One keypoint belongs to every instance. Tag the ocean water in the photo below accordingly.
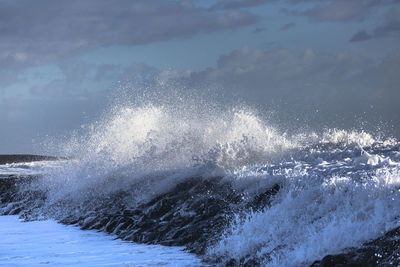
(229, 185)
(48, 243)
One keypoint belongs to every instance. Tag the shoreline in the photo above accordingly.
(49, 242)
(18, 158)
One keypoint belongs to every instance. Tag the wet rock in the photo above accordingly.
(192, 214)
(383, 251)
(262, 200)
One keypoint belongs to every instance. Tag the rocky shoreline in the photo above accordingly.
(17, 158)
(189, 215)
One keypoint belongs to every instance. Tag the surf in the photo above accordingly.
(227, 184)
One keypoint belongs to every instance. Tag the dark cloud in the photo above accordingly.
(389, 28)
(341, 87)
(238, 4)
(345, 11)
(288, 26)
(338, 10)
(259, 29)
(360, 36)
(269, 71)
(42, 31)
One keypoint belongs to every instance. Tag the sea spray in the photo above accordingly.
(319, 210)
(228, 185)
(149, 144)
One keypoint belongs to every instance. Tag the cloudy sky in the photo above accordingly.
(327, 63)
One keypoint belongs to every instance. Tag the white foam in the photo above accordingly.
(337, 136)
(48, 243)
(315, 216)
(136, 145)
(148, 145)
(29, 168)
(149, 149)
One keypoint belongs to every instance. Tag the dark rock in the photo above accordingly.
(383, 251)
(4, 159)
(262, 200)
(192, 214)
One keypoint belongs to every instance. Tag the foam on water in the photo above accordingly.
(29, 168)
(337, 189)
(315, 214)
(52, 244)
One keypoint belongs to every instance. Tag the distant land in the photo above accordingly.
(5, 159)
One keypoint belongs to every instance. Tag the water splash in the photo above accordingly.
(321, 187)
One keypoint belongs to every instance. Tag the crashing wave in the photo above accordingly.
(227, 185)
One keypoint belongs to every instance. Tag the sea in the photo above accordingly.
(159, 186)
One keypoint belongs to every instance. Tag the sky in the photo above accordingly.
(326, 63)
